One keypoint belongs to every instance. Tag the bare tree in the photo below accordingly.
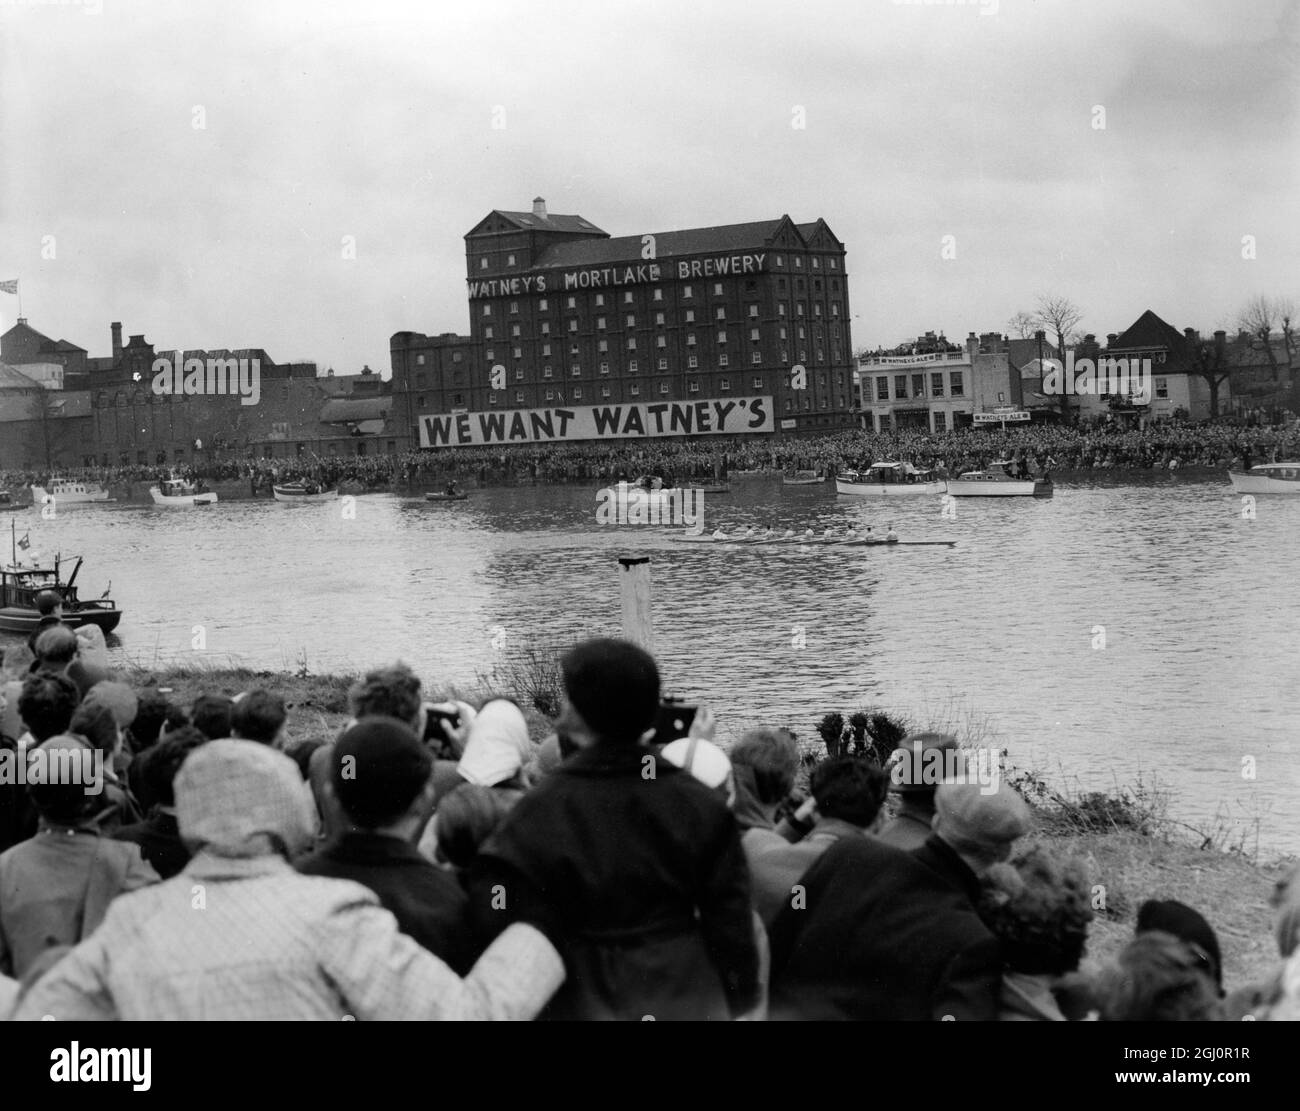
(1258, 318)
(1058, 315)
(1286, 314)
(1208, 360)
(1022, 325)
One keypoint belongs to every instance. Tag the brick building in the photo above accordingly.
(562, 314)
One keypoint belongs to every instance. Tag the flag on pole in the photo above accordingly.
(26, 541)
(9, 286)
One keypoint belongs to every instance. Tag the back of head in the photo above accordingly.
(390, 692)
(300, 752)
(56, 647)
(118, 698)
(772, 755)
(151, 712)
(614, 687)
(97, 725)
(466, 818)
(60, 791)
(243, 799)
(157, 767)
(497, 747)
(849, 788)
(980, 822)
(47, 704)
(47, 601)
(1180, 920)
(211, 714)
(920, 762)
(379, 768)
(1038, 905)
(258, 716)
(1159, 978)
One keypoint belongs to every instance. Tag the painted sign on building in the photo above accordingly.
(723, 416)
(604, 277)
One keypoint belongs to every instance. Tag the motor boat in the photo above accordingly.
(997, 481)
(899, 479)
(68, 492)
(1267, 478)
(178, 492)
(303, 492)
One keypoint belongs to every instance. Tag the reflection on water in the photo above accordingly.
(1197, 607)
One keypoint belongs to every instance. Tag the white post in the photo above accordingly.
(634, 589)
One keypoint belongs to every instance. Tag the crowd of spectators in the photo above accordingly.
(434, 860)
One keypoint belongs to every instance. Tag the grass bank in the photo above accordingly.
(1131, 849)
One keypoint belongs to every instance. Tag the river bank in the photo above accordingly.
(1131, 852)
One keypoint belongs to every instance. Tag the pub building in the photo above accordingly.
(565, 317)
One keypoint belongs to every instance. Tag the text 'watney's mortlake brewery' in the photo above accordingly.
(712, 417)
(564, 317)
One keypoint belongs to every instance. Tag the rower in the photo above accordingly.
(891, 537)
(451, 489)
(809, 534)
(718, 534)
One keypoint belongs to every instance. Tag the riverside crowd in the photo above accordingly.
(1045, 449)
(433, 861)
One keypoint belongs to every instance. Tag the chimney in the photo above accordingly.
(539, 207)
(1190, 335)
(117, 340)
(1090, 339)
(1111, 337)
(1040, 335)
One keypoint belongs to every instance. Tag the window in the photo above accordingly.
(546, 371)
(690, 339)
(780, 310)
(686, 291)
(634, 389)
(487, 332)
(514, 330)
(542, 304)
(546, 328)
(753, 310)
(600, 323)
(783, 333)
(458, 356)
(821, 355)
(835, 266)
(758, 383)
(722, 359)
(604, 368)
(725, 384)
(817, 310)
(577, 393)
(936, 384)
(573, 325)
(627, 297)
(603, 346)
(492, 400)
(721, 314)
(546, 349)
(717, 289)
(690, 316)
(631, 343)
(514, 307)
(882, 388)
(802, 334)
(663, 389)
(756, 357)
(918, 386)
(550, 395)
(900, 385)
(487, 310)
(572, 303)
(419, 359)
(659, 294)
(940, 421)
(631, 320)
(694, 387)
(604, 391)
(519, 352)
(835, 309)
(661, 342)
(803, 354)
(519, 374)
(631, 366)
(954, 381)
(780, 260)
(753, 334)
(798, 309)
(490, 354)
(798, 261)
(817, 263)
(575, 370)
(659, 319)
(419, 403)
(510, 260)
(600, 300)
(482, 264)
(1162, 388)
(458, 399)
(663, 364)
(722, 335)
(692, 361)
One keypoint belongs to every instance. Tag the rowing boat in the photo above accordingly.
(802, 541)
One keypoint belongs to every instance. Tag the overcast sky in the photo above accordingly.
(375, 120)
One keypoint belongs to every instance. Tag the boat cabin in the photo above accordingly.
(20, 585)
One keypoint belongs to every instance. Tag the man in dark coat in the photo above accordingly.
(888, 935)
(635, 865)
(910, 772)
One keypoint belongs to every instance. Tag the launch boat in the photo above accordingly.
(303, 492)
(890, 480)
(19, 586)
(1267, 478)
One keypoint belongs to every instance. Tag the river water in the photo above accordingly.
(1114, 630)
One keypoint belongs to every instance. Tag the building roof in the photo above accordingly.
(531, 221)
(1148, 331)
(13, 379)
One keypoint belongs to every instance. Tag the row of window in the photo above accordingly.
(602, 323)
(755, 357)
(831, 263)
(955, 385)
(720, 312)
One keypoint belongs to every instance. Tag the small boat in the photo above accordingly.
(1267, 478)
(303, 492)
(649, 489)
(998, 482)
(802, 540)
(69, 493)
(891, 480)
(19, 586)
(178, 492)
(802, 478)
(6, 498)
(442, 495)
(721, 488)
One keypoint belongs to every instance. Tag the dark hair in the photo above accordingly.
(258, 716)
(614, 686)
(849, 788)
(56, 645)
(175, 718)
(466, 818)
(1038, 905)
(391, 692)
(150, 714)
(210, 715)
(773, 756)
(98, 725)
(379, 769)
(155, 770)
(1185, 923)
(300, 753)
(47, 601)
(66, 801)
(1159, 978)
(47, 704)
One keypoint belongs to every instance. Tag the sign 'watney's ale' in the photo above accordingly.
(724, 416)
